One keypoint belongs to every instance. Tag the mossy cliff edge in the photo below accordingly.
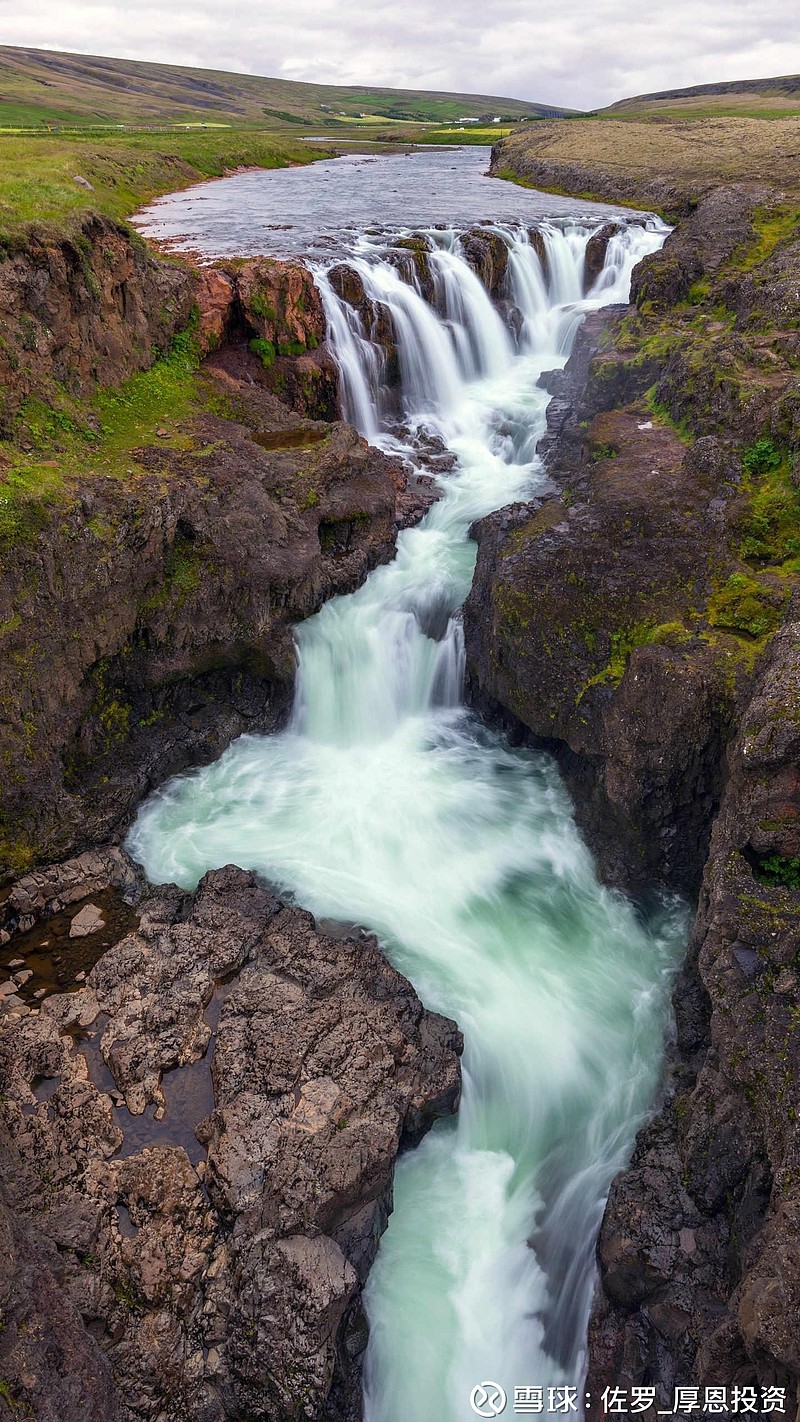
(641, 622)
(175, 492)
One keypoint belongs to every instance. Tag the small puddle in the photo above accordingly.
(188, 1092)
(299, 438)
(56, 960)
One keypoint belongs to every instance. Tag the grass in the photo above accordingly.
(37, 174)
(629, 159)
(55, 447)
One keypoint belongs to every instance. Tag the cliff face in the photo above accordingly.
(81, 311)
(640, 623)
(698, 1251)
(158, 539)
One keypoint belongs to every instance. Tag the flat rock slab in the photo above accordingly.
(89, 920)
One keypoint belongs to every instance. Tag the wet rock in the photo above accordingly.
(596, 249)
(89, 920)
(348, 285)
(487, 255)
(413, 261)
(697, 1250)
(227, 1289)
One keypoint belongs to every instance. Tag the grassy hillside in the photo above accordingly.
(42, 87)
(649, 164)
(739, 98)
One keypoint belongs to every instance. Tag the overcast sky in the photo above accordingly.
(580, 53)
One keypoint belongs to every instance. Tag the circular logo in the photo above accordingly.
(488, 1399)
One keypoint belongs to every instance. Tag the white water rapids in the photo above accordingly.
(386, 803)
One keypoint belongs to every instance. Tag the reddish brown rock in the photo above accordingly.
(215, 294)
(281, 303)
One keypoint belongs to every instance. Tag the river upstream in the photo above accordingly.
(385, 802)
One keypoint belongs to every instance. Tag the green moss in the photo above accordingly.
(28, 491)
(746, 607)
(623, 643)
(604, 451)
(771, 227)
(262, 307)
(265, 350)
(17, 851)
(10, 624)
(181, 578)
(111, 712)
(291, 348)
(699, 291)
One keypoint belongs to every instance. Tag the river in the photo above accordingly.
(386, 802)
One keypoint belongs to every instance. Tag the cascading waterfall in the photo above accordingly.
(387, 803)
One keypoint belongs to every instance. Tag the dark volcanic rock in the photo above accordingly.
(150, 622)
(699, 1248)
(487, 254)
(574, 625)
(596, 249)
(52, 1368)
(721, 222)
(226, 1289)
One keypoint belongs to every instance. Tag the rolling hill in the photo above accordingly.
(737, 98)
(45, 87)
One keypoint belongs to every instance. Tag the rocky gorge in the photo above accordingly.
(638, 622)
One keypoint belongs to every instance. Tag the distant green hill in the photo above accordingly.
(735, 98)
(44, 87)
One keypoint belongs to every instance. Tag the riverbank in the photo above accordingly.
(60, 179)
(642, 625)
(662, 165)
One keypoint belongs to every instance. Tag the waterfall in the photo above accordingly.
(387, 803)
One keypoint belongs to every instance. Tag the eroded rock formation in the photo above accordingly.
(146, 1277)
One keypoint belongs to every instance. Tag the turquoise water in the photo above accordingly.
(385, 802)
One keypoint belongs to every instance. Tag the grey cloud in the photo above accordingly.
(581, 54)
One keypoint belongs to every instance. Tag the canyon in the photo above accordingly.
(634, 619)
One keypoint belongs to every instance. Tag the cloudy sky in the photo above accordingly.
(580, 53)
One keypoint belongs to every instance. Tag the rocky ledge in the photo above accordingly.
(197, 1152)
